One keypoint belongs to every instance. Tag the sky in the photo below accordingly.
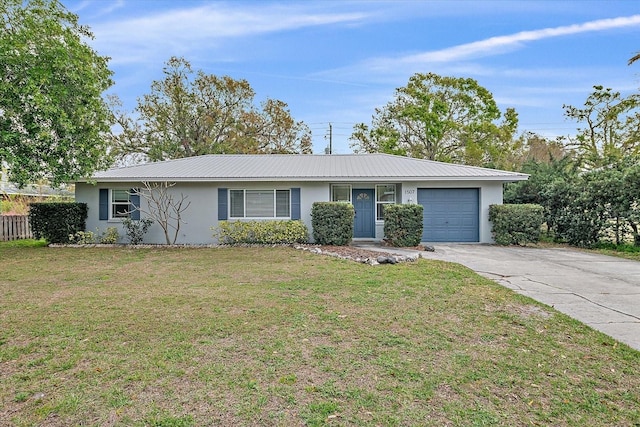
(334, 62)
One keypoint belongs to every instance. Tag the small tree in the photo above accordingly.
(163, 207)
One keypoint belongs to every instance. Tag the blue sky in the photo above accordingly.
(336, 61)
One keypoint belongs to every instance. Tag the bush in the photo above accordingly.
(55, 222)
(516, 224)
(110, 236)
(403, 224)
(261, 232)
(136, 229)
(332, 223)
(83, 238)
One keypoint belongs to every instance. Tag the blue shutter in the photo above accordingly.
(222, 204)
(295, 203)
(103, 204)
(134, 198)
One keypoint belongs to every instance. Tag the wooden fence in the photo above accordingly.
(14, 227)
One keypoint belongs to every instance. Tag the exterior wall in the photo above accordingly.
(202, 214)
(197, 220)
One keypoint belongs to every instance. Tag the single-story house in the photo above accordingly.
(456, 198)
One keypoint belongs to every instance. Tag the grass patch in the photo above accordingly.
(23, 243)
(625, 250)
(275, 336)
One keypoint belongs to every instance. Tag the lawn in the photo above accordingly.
(277, 336)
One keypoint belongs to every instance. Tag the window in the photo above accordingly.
(259, 203)
(385, 195)
(120, 204)
(341, 193)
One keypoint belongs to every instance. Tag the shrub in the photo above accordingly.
(403, 224)
(261, 232)
(516, 224)
(136, 229)
(332, 223)
(83, 238)
(110, 236)
(56, 222)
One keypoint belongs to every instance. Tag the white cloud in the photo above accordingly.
(500, 44)
(191, 29)
(455, 57)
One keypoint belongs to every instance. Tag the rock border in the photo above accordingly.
(359, 255)
(375, 258)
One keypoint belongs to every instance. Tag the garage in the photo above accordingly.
(450, 214)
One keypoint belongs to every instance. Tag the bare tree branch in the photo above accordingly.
(163, 207)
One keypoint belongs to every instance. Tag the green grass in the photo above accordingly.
(275, 336)
(23, 243)
(625, 250)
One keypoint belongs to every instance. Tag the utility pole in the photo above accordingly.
(329, 149)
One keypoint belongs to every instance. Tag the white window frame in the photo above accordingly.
(274, 214)
(333, 186)
(113, 203)
(379, 203)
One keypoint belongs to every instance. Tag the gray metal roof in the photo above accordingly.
(302, 167)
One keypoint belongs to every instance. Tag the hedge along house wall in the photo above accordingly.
(403, 224)
(261, 232)
(56, 222)
(332, 223)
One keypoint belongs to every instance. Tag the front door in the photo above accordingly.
(364, 225)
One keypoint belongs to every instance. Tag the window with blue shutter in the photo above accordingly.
(222, 204)
(295, 203)
(114, 204)
(134, 200)
(103, 204)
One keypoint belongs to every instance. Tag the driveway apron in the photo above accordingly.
(600, 291)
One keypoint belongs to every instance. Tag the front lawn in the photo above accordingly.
(275, 336)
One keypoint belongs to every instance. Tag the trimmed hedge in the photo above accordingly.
(332, 223)
(261, 232)
(516, 224)
(403, 224)
(55, 222)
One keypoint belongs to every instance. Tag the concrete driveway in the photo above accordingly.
(601, 291)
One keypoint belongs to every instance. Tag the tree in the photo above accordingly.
(612, 127)
(163, 207)
(53, 119)
(190, 114)
(537, 148)
(440, 118)
(634, 58)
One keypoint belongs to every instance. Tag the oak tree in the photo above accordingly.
(448, 119)
(53, 118)
(191, 113)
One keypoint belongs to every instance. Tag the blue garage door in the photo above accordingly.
(450, 214)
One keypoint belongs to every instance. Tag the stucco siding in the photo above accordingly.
(196, 222)
(202, 213)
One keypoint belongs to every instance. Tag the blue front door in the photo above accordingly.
(364, 225)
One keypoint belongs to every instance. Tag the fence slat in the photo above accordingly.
(14, 227)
